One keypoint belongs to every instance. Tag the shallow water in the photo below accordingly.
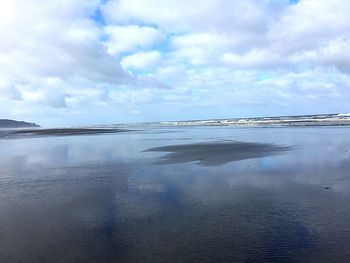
(113, 198)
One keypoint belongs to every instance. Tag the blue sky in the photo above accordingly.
(76, 62)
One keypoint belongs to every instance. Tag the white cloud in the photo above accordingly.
(334, 53)
(309, 25)
(129, 38)
(196, 15)
(255, 58)
(42, 41)
(201, 48)
(141, 60)
(207, 40)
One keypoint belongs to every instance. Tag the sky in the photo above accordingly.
(80, 62)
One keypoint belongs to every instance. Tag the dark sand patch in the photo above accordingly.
(216, 153)
(23, 133)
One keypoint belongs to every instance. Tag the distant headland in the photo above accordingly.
(5, 123)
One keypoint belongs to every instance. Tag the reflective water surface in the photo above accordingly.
(247, 195)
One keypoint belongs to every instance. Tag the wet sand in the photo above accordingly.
(24, 133)
(216, 153)
(220, 195)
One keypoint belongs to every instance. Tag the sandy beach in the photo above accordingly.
(181, 194)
